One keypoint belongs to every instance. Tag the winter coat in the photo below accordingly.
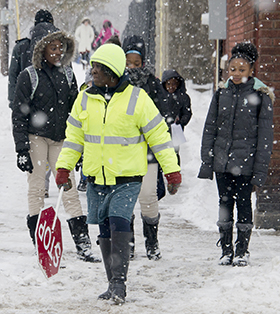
(112, 133)
(84, 34)
(22, 56)
(104, 35)
(143, 78)
(45, 113)
(238, 132)
(178, 104)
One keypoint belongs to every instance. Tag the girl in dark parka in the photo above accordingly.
(236, 145)
(178, 103)
(141, 76)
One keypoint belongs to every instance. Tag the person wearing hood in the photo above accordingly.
(21, 59)
(44, 95)
(153, 188)
(111, 123)
(84, 35)
(178, 102)
(236, 146)
(106, 32)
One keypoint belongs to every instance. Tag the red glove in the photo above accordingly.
(62, 179)
(174, 180)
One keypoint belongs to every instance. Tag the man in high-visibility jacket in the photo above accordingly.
(111, 123)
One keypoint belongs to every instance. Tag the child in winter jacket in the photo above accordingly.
(141, 76)
(178, 103)
(45, 93)
(106, 32)
(236, 145)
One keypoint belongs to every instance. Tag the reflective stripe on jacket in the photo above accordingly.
(113, 136)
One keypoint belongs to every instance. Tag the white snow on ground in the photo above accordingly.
(187, 279)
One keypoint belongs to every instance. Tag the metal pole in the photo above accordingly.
(4, 43)
(18, 27)
(217, 63)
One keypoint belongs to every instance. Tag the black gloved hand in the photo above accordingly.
(24, 162)
(178, 122)
(79, 163)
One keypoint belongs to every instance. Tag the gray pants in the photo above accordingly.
(42, 150)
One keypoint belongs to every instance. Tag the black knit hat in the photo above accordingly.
(134, 43)
(43, 16)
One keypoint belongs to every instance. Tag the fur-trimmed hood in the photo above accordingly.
(46, 33)
(258, 86)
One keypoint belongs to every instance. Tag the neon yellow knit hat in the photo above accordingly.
(112, 56)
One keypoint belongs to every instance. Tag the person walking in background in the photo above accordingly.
(44, 95)
(178, 102)
(236, 145)
(21, 59)
(111, 123)
(22, 53)
(84, 35)
(106, 32)
(141, 76)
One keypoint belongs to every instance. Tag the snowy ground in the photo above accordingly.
(186, 280)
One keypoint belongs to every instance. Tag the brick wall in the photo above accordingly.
(258, 21)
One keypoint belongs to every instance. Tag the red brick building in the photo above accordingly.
(258, 21)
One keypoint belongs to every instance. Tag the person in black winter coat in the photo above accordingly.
(22, 53)
(236, 145)
(141, 76)
(44, 96)
(178, 103)
(21, 59)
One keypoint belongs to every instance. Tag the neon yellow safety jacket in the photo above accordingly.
(113, 135)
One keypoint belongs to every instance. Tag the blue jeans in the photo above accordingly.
(105, 201)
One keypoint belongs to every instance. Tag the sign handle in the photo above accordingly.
(57, 206)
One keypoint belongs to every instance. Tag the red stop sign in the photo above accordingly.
(49, 242)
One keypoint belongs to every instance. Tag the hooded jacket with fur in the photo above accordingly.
(45, 113)
(238, 132)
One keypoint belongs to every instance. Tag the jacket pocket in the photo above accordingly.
(84, 117)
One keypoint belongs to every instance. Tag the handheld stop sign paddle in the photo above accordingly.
(48, 239)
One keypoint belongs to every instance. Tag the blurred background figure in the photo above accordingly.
(84, 35)
(106, 32)
(178, 102)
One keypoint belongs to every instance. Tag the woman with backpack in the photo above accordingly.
(44, 95)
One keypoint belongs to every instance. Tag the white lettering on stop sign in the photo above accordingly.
(48, 239)
(49, 244)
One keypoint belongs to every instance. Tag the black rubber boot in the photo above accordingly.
(31, 224)
(225, 242)
(79, 231)
(105, 247)
(242, 254)
(150, 231)
(120, 251)
(132, 241)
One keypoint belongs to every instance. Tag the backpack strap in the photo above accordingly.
(68, 71)
(33, 79)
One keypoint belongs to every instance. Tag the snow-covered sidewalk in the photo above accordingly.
(187, 279)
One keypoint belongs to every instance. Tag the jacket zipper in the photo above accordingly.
(104, 119)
